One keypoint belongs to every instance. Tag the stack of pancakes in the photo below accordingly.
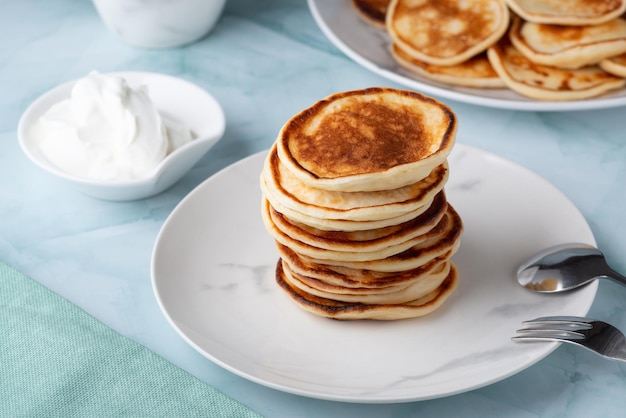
(353, 193)
(546, 50)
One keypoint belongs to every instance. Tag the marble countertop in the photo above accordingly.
(264, 62)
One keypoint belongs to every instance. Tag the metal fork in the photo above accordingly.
(597, 336)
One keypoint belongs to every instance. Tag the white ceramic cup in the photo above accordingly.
(159, 23)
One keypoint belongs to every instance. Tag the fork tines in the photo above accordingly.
(561, 320)
(554, 327)
(597, 336)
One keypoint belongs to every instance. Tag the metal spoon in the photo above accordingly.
(565, 267)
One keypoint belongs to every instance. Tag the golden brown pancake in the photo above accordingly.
(444, 242)
(446, 32)
(543, 82)
(474, 72)
(326, 224)
(569, 46)
(568, 12)
(367, 140)
(346, 277)
(615, 65)
(372, 11)
(399, 294)
(349, 251)
(368, 241)
(353, 310)
(283, 189)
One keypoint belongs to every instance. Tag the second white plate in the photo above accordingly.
(213, 275)
(369, 47)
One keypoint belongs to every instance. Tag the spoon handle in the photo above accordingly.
(616, 277)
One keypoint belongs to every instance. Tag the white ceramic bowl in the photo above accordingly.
(158, 23)
(185, 102)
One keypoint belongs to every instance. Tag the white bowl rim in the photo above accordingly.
(34, 110)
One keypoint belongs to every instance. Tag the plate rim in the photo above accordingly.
(550, 347)
(524, 104)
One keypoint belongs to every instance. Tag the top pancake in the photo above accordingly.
(284, 190)
(446, 32)
(367, 140)
(570, 12)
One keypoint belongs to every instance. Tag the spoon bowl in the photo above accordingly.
(176, 99)
(565, 267)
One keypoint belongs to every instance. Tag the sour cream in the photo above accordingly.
(107, 131)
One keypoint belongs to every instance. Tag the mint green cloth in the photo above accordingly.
(58, 361)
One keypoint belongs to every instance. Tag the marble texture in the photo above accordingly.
(263, 62)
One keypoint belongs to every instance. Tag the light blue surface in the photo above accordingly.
(264, 62)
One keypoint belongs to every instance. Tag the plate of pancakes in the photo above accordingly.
(511, 54)
(367, 256)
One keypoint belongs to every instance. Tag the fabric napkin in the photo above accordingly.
(58, 361)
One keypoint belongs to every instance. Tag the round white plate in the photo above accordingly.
(213, 275)
(369, 47)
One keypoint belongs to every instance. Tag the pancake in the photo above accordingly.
(371, 240)
(543, 82)
(345, 252)
(444, 242)
(569, 47)
(326, 224)
(402, 294)
(615, 65)
(570, 12)
(446, 32)
(282, 188)
(349, 278)
(367, 140)
(372, 11)
(353, 310)
(474, 72)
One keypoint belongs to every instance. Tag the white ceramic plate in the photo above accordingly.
(213, 266)
(369, 47)
(184, 103)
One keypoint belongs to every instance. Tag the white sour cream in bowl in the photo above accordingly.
(121, 136)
